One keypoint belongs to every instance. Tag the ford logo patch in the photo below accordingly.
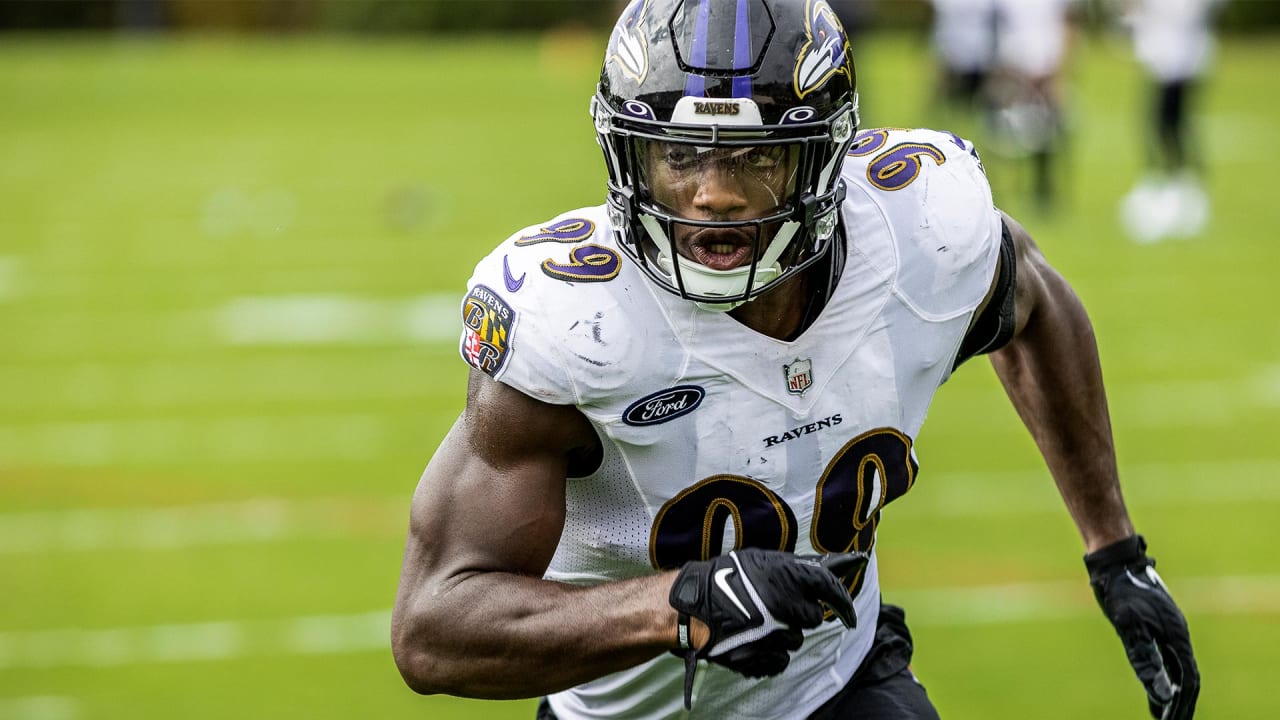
(664, 405)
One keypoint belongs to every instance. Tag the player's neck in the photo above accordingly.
(780, 313)
(791, 308)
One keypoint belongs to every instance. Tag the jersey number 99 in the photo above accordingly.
(865, 475)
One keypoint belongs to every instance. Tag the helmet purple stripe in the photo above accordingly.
(742, 57)
(696, 85)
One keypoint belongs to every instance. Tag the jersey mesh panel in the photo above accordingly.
(606, 528)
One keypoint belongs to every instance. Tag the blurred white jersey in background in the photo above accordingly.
(964, 33)
(1031, 35)
(1172, 38)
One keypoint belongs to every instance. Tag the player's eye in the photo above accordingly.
(763, 158)
(678, 157)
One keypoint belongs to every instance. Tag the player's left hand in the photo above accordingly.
(1150, 625)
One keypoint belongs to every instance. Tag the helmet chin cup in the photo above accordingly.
(702, 280)
(720, 307)
(703, 284)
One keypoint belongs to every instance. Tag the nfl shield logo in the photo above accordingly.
(799, 376)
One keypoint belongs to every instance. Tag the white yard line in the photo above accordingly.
(338, 320)
(1267, 386)
(365, 632)
(180, 527)
(282, 519)
(1032, 491)
(226, 640)
(1038, 602)
(41, 707)
(10, 277)
(223, 440)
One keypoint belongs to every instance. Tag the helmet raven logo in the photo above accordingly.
(630, 49)
(826, 52)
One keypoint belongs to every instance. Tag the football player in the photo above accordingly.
(963, 37)
(687, 407)
(1173, 40)
(1026, 116)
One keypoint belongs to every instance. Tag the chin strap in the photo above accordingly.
(690, 656)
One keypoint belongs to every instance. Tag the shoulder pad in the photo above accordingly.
(542, 310)
(933, 193)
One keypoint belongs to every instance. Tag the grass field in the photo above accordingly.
(228, 279)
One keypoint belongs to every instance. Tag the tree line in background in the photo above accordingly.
(379, 16)
(410, 16)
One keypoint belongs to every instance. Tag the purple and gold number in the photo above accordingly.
(691, 526)
(868, 472)
(565, 231)
(868, 142)
(899, 166)
(587, 263)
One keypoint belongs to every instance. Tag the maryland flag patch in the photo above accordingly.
(487, 320)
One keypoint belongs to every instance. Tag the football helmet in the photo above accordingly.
(724, 124)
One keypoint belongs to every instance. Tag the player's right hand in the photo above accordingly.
(756, 602)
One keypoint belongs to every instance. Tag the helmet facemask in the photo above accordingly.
(781, 217)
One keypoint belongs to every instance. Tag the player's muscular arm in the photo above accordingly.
(1051, 372)
(473, 616)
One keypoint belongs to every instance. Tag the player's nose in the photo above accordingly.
(720, 192)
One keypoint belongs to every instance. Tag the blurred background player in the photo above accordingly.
(1026, 120)
(963, 37)
(1173, 42)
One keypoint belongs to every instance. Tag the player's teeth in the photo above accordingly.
(722, 248)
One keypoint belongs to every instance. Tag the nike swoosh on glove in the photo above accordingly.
(756, 603)
(1149, 623)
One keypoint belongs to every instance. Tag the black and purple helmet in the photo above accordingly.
(767, 83)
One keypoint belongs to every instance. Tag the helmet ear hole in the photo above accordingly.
(723, 91)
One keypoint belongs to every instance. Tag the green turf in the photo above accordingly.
(145, 185)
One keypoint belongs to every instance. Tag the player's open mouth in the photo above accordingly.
(720, 250)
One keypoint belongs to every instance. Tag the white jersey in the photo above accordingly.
(1031, 35)
(1171, 38)
(716, 436)
(964, 33)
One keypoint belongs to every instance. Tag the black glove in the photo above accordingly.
(1149, 624)
(756, 602)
